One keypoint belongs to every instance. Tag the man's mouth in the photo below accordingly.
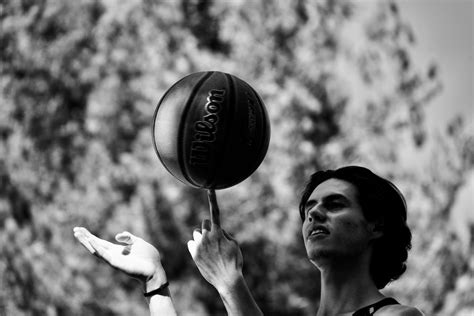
(318, 231)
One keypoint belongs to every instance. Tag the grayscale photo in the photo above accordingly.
(237, 157)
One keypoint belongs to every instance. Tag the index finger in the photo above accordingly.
(81, 235)
(214, 208)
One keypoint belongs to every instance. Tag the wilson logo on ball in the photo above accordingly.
(205, 129)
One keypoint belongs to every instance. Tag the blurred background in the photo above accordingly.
(383, 84)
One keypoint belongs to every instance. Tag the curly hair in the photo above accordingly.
(379, 199)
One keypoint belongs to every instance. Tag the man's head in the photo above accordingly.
(359, 209)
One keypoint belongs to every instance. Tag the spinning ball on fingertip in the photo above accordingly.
(211, 130)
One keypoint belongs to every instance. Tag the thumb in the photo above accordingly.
(192, 247)
(125, 238)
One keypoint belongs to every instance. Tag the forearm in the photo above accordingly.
(238, 300)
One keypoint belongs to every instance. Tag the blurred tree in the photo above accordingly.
(79, 83)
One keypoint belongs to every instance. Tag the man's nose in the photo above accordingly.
(317, 213)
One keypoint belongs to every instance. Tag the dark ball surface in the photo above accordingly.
(211, 130)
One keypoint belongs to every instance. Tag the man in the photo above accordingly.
(355, 233)
(354, 230)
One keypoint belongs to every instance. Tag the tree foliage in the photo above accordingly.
(79, 82)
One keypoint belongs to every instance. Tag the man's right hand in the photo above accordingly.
(219, 259)
(132, 255)
(216, 254)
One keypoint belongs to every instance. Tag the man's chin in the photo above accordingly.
(319, 256)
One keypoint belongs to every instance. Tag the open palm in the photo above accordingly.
(133, 255)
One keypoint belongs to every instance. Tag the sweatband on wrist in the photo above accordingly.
(157, 291)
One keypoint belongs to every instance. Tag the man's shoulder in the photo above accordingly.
(399, 310)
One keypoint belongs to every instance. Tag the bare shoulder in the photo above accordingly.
(399, 310)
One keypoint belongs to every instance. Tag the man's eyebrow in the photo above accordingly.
(328, 198)
(335, 197)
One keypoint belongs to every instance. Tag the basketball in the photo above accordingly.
(211, 130)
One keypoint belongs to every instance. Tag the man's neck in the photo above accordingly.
(346, 288)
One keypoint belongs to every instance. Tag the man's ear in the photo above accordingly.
(377, 228)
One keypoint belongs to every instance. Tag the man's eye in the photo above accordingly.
(309, 205)
(334, 205)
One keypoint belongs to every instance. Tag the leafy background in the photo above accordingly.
(79, 83)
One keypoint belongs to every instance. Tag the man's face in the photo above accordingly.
(334, 227)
